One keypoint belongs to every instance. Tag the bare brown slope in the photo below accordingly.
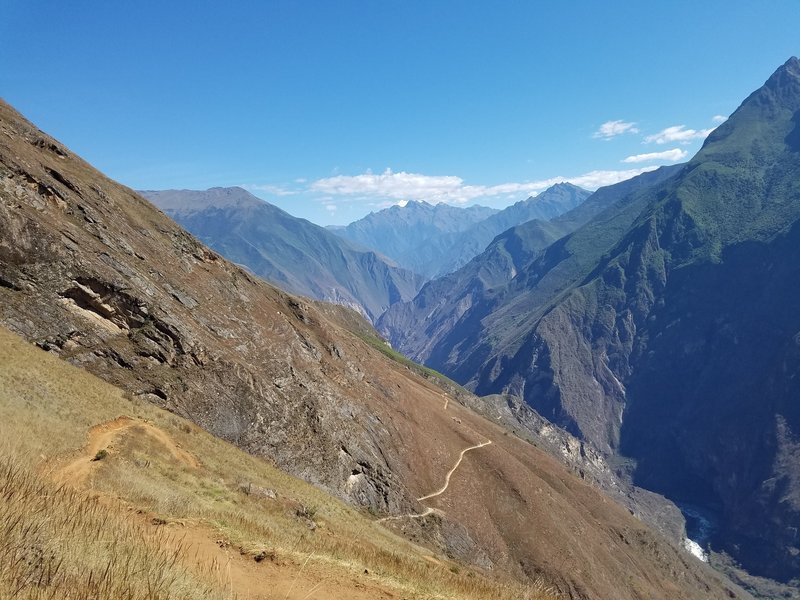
(238, 527)
(93, 272)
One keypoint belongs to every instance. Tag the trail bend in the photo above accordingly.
(101, 437)
(443, 489)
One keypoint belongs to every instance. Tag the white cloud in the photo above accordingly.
(719, 118)
(330, 207)
(673, 155)
(597, 179)
(677, 133)
(611, 129)
(402, 186)
(275, 190)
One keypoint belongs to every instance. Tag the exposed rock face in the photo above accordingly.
(664, 330)
(294, 254)
(91, 271)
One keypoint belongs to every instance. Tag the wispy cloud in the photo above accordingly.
(275, 190)
(403, 186)
(719, 118)
(673, 155)
(597, 179)
(677, 133)
(611, 129)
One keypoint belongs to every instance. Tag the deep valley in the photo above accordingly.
(583, 393)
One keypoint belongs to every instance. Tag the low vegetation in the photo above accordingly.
(386, 348)
(172, 512)
(59, 543)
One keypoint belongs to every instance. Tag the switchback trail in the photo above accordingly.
(443, 489)
(440, 491)
(421, 515)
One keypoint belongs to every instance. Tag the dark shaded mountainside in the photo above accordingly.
(667, 329)
(292, 253)
(93, 273)
(434, 240)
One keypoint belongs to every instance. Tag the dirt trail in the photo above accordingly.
(101, 437)
(308, 578)
(443, 489)
(421, 515)
(304, 578)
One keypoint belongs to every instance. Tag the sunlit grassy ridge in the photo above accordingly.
(87, 547)
(385, 348)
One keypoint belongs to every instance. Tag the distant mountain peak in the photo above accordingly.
(786, 78)
(558, 188)
(562, 185)
(792, 64)
(292, 253)
(412, 203)
(192, 200)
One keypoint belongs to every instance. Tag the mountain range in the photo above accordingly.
(435, 240)
(662, 330)
(292, 253)
(96, 276)
(433, 321)
(400, 230)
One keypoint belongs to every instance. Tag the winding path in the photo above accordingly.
(102, 436)
(421, 515)
(428, 510)
(443, 489)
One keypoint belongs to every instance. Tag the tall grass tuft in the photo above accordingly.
(58, 543)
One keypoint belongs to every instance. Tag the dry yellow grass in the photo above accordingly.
(47, 408)
(56, 543)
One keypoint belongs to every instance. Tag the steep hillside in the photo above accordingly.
(664, 329)
(433, 326)
(93, 273)
(105, 496)
(292, 253)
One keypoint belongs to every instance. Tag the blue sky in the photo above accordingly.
(333, 109)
